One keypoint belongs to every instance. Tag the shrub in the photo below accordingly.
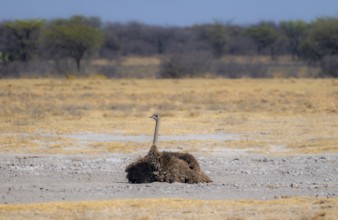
(329, 66)
(233, 69)
(185, 65)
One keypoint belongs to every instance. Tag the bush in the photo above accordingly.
(329, 66)
(186, 65)
(233, 69)
(31, 68)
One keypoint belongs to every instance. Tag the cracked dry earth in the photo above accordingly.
(47, 178)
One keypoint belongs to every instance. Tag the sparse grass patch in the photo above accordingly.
(316, 145)
(114, 147)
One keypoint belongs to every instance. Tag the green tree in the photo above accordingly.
(295, 32)
(217, 37)
(22, 38)
(322, 39)
(72, 38)
(264, 36)
(321, 45)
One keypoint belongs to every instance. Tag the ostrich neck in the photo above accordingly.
(156, 131)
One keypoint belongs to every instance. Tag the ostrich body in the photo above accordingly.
(165, 166)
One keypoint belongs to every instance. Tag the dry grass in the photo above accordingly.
(298, 114)
(289, 208)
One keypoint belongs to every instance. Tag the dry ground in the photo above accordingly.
(275, 116)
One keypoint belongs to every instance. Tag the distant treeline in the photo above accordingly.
(59, 46)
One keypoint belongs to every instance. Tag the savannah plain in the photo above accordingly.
(264, 118)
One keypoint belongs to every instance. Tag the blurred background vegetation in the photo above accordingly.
(82, 46)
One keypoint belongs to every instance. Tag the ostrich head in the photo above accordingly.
(155, 116)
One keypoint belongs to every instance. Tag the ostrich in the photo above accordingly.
(165, 166)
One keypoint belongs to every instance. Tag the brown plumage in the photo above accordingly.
(165, 166)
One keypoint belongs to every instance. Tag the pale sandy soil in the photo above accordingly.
(238, 175)
(246, 185)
